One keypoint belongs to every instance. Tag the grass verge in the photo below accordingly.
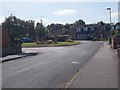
(33, 44)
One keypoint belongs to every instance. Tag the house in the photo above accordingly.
(88, 32)
(117, 26)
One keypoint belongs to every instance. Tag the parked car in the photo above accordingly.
(27, 39)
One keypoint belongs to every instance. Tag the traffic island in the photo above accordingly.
(33, 44)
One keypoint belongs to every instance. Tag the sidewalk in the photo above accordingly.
(21, 55)
(100, 72)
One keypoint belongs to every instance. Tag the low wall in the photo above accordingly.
(5, 39)
(118, 40)
(114, 43)
(11, 50)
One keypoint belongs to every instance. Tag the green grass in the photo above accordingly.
(33, 44)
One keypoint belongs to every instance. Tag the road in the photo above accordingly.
(51, 68)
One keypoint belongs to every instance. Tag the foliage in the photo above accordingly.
(49, 42)
(115, 33)
(53, 27)
(18, 28)
(40, 32)
(62, 38)
(69, 40)
(79, 22)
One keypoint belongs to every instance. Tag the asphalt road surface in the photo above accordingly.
(51, 68)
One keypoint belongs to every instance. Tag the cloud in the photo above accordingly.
(45, 21)
(65, 12)
(114, 14)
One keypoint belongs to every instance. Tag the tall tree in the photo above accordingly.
(40, 32)
(18, 28)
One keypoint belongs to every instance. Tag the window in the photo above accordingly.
(78, 29)
(88, 28)
(117, 27)
(85, 29)
(92, 29)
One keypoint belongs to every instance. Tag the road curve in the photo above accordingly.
(51, 68)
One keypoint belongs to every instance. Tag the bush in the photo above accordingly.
(69, 40)
(62, 38)
(56, 42)
(95, 39)
(37, 42)
(49, 42)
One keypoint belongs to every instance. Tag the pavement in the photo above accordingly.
(101, 71)
(17, 56)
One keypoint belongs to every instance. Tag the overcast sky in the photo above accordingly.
(60, 12)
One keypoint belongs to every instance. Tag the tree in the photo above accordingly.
(67, 26)
(79, 22)
(40, 32)
(18, 28)
(29, 29)
(11, 24)
(101, 23)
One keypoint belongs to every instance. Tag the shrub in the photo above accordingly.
(37, 42)
(95, 39)
(69, 40)
(62, 38)
(56, 42)
(49, 42)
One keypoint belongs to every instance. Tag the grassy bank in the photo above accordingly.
(33, 44)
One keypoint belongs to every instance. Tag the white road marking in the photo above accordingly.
(75, 62)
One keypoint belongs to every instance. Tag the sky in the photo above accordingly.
(60, 12)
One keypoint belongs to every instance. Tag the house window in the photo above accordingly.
(95, 28)
(92, 29)
(78, 29)
(85, 29)
(88, 28)
(117, 27)
(81, 29)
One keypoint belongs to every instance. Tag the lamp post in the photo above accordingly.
(110, 13)
(109, 9)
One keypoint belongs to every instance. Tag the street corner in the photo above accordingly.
(11, 57)
(30, 53)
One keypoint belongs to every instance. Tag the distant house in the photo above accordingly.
(117, 26)
(58, 32)
(88, 32)
(84, 32)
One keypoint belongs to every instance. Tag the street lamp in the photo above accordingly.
(110, 13)
(109, 9)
